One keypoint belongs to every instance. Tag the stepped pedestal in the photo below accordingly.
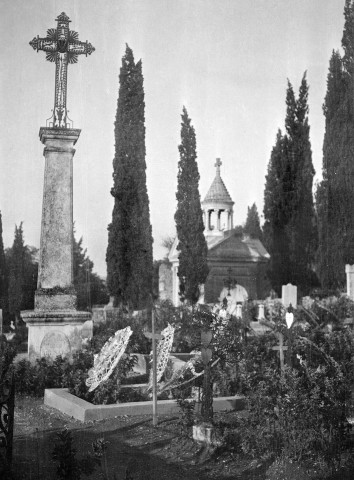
(55, 327)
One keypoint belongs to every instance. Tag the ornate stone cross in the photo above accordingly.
(62, 46)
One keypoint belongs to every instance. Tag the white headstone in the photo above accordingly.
(239, 310)
(261, 312)
(289, 295)
(349, 270)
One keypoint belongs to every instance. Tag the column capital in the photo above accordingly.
(64, 134)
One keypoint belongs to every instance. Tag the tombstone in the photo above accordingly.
(349, 270)
(289, 295)
(238, 312)
(261, 315)
(55, 325)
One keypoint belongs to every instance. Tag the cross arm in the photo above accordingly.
(45, 44)
(78, 48)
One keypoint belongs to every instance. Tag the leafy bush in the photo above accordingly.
(65, 454)
(33, 379)
(301, 415)
(7, 355)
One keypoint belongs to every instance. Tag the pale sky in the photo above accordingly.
(227, 61)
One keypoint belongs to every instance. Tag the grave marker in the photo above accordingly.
(289, 295)
(55, 298)
(154, 336)
(280, 348)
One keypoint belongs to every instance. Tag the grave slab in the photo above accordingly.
(67, 403)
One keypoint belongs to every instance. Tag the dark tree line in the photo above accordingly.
(290, 226)
(335, 194)
(19, 273)
(301, 248)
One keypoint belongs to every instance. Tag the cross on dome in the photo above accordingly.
(218, 165)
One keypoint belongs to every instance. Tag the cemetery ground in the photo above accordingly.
(134, 445)
(294, 427)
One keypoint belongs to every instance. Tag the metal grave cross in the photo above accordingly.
(62, 46)
(281, 347)
(154, 336)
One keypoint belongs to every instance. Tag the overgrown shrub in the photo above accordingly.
(33, 379)
(301, 415)
(7, 355)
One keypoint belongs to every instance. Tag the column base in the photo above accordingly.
(56, 333)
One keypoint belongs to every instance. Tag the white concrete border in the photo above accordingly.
(67, 403)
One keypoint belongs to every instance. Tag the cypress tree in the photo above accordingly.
(302, 225)
(129, 251)
(335, 194)
(16, 273)
(89, 287)
(193, 269)
(253, 226)
(276, 214)
(290, 230)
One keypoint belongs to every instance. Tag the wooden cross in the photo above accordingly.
(154, 336)
(281, 347)
(62, 46)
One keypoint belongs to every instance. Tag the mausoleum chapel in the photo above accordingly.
(231, 255)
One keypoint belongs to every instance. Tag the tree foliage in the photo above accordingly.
(290, 229)
(253, 226)
(335, 194)
(129, 252)
(90, 288)
(23, 271)
(193, 269)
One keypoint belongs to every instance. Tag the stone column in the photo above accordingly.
(349, 270)
(56, 249)
(55, 327)
(227, 211)
(218, 220)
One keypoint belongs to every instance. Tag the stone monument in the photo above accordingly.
(55, 327)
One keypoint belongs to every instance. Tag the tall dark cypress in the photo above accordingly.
(129, 251)
(335, 195)
(302, 224)
(276, 214)
(290, 228)
(16, 273)
(193, 269)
